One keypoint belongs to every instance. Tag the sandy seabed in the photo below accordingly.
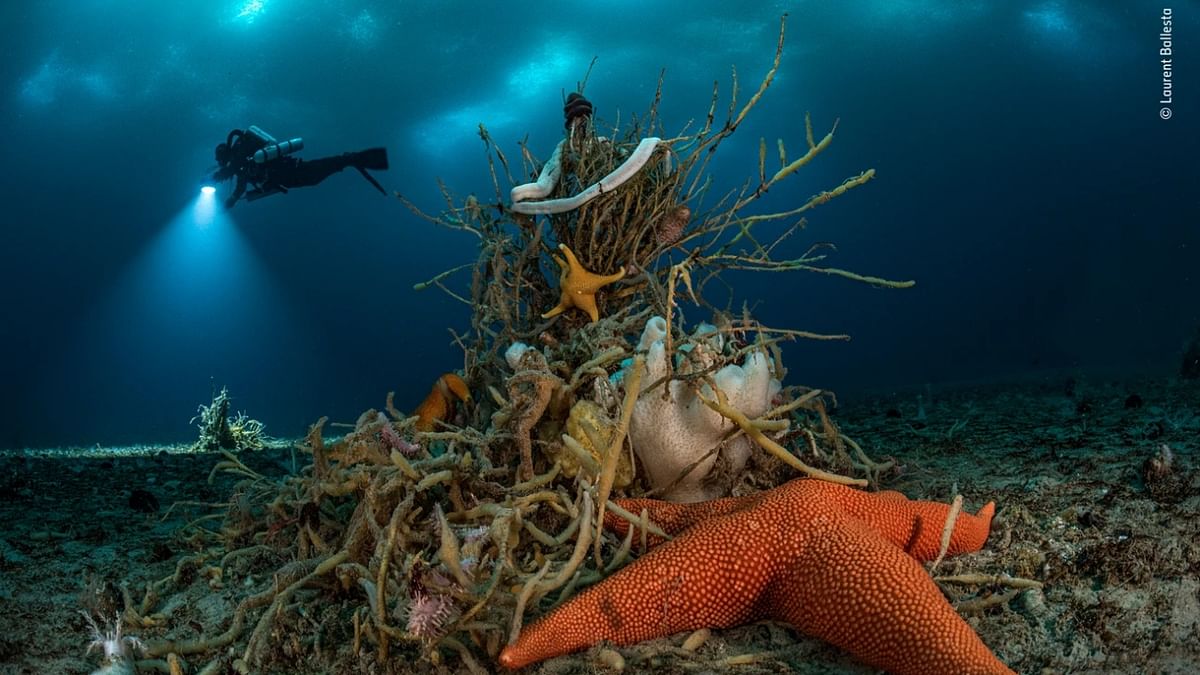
(1066, 459)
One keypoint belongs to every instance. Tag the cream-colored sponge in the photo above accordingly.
(669, 434)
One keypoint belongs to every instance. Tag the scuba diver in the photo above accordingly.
(267, 167)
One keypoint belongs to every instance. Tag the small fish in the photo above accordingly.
(439, 404)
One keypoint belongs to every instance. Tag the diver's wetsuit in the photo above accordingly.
(235, 158)
(290, 172)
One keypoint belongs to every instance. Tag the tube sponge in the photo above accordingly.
(669, 434)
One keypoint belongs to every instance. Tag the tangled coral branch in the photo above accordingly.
(721, 405)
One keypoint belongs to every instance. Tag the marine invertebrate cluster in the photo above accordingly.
(426, 538)
(221, 430)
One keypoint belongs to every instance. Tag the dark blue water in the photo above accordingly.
(1025, 180)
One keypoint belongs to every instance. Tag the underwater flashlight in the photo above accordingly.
(207, 190)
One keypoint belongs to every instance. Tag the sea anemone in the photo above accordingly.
(430, 610)
(119, 650)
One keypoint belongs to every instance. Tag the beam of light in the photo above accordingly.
(205, 211)
(195, 306)
(196, 281)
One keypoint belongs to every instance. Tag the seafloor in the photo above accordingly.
(1075, 464)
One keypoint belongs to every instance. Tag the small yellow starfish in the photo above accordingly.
(579, 286)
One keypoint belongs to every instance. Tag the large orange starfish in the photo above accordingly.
(579, 286)
(837, 563)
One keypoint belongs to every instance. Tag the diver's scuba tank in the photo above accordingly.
(276, 150)
(263, 137)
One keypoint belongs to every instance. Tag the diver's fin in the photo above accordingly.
(371, 180)
(375, 159)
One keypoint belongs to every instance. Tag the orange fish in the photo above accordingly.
(439, 404)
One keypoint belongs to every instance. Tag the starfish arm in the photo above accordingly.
(596, 282)
(970, 530)
(558, 309)
(915, 526)
(587, 303)
(571, 261)
(673, 517)
(707, 577)
(563, 267)
(564, 302)
(856, 590)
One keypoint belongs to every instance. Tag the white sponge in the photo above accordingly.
(670, 434)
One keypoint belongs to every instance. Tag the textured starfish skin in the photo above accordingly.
(828, 559)
(579, 286)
